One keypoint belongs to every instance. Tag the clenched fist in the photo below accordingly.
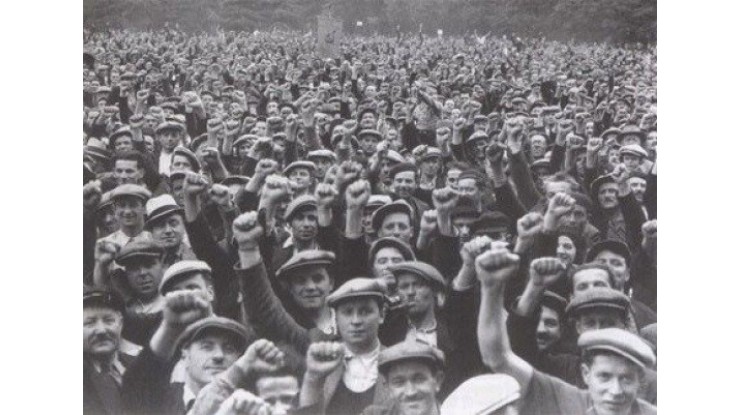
(496, 266)
(262, 356)
(445, 199)
(220, 195)
(184, 307)
(545, 271)
(276, 189)
(265, 167)
(91, 194)
(529, 225)
(323, 357)
(242, 402)
(106, 251)
(195, 184)
(560, 205)
(325, 195)
(473, 248)
(358, 194)
(428, 222)
(247, 231)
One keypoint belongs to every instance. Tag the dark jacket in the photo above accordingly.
(147, 388)
(101, 396)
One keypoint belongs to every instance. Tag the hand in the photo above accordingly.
(184, 307)
(347, 172)
(495, 153)
(209, 399)
(445, 200)
(325, 195)
(358, 194)
(573, 141)
(529, 225)
(194, 184)
(650, 229)
(514, 136)
(594, 145)
(471, 249)
(496, 266)
(242, 402)
(620, 173)
(276, 189)
(428, 222)
(308, 112)
(261, 145)
(106, 251)
(291, 127)
(261, 357)
(458, 124)
(322, 358)
(214, 125)
(91, 195)
(265, 167)
(349, 127)
(232, 128)
(560, 205)
(142, 95)
(136, 121)
(220, 195)
(211, 156)
(545, 271)
(247, 231)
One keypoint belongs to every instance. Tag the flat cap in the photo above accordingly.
(618, 247)
(401, 167)
(410, 350)
(181, 269)
(309, 257)
(633, 149)
(120, 133)
(394, 156)
(138, 249)
(391, 242)
(490, 222)
(129, 189)
(399, 206)
(543, 163)
(357, 288)
(465, 208)
(185, 152)
(421, 269)
(620, 342)
(482, 394)
(94, 297)
(478, 135)
(598, 182)
(214, 323)
(431, 152)
(376, 201)
(480, 118)
(305, 164)
(235, 179)
(370, 132)
(631, 130)
(598, 298)
(197, 141)
(161, 206)
(300, 203)
(321, 153)
(610, 131)
(555, 302)
(169, 125)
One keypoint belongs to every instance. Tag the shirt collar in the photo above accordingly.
(187, 395)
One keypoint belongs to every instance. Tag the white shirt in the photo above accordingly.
(187, 395)
(165, 159)
(361, 371)
(428, 336)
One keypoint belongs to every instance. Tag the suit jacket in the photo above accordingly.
(147, 388)
(380, 397)
(98, 397)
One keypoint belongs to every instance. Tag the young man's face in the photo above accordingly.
(181, 163)
(414, 386)
(587, 279)
(398, 225)
(632, 162)
(468, 187)
(404, 184)
(367, 121)
(617, 265)
(417, 294)
(358, 320)
(300, 178)
(129, 211)
(128, 171)
(608, 193)
(597, 319)
(384, 259)
(539, 146)
(462, 225)
(144, 275)
(305, 225)
(451, 180)
(208, 356)
(101, 331)
(310, 287)
(548, 329)
(638, 186)
(430, 166)
(123, 143)
(169, 139)
(368, 144)
(613, 383)
(169, 231)
(566, 250)
(279, 391)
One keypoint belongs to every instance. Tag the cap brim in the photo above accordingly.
(163, 214)
(620, 352)
(358, 294)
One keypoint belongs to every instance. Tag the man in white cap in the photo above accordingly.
(491, 394)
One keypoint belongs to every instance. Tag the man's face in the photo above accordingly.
(414, 386)
(310, 288)
(613, 383)
(123, 143)
(305, 225)
(300, 178)
(652, 140)
(430, 166)
(128, 171)
(404, 184)
(279, 391)
(169, 139)
(566, 250)
(181, 163)
(539, 146)
(553, 188)
(462, 226)
(322, 165)
(617, 265)
(574, 221)
(358, 320)
(149, 144)
(208, 356)
(272, 109)
(452, 176)
(129, 211)
(587, 279)
(368, 143)
(468, 187)
(397, 224)
(384, 259)
(260, 129)
(631, 139)
(169, 231)
(417, 294)
(632, 162)
(367, 121)
(177, 191)
(143, 275)
(638, 186)
(613, 156)
(548, 328)
(101, 331)
(608, 193)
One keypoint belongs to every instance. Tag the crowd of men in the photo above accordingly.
(416, 225)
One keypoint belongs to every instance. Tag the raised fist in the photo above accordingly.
(214, 125)
(560, 205)
(574, 141)
(471, 249)
(184, 307)
(496, 266)
(106, 251)
(594, 145)
(349, 127)
(458, 124)
(348, 171)
(142, 95)
(428, 222)
(136, 121)
(220, 195)
(495, 153)
(545, 271)
(276, 189)
(325, 195)
(242, 402)
(247, 231)
(211, 156)
(265, 167)
(195, 184)
(323, 357)
(358, 194)
(445, 199)
(262, 356)
(232, 127)
(91, 194)
(650, 229)
(529, 225)
(620, 173)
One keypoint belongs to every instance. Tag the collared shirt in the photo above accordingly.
(428, 336)
(116, 369)
(361, 371)
(188, 397)
(165, 159)
(184, 252)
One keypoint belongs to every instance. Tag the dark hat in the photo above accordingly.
(583, 201)
(94, 297)
(598, 182)
(183, 151)
(421, 269)
(357, 288)
(176, 176)
(129, 189)
(399, 206)
(429, 153)
(369, 132)
(235, 179)
(298, 204)
(465, 207)
(119, 133)
(618, 341)
(215, 323)
(169, 125)
(300, 164)
(483, 394)
(401, 167)
(598, 298)
(629, 130)
(410, 350)
(618, 247)
(181, 269)
(309, 257)
(555, 302)
(490, 222)
(160, 207)
(542, 163)
(478, 176)
(321, 153)
(391, 242)
(138, 249)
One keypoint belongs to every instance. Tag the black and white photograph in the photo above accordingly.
(369, 207)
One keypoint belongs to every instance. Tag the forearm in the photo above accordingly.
(353, 227)
(192, 207)
(312, 390)
(164, 341)
(101, 277)
(530, 300)
(465, 278)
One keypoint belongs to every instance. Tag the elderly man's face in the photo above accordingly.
(613, 383)
(101, 331)
(208, 356)
(607, 196)
(638, 186)
(414, 386)
(169, 231)
(548, 328)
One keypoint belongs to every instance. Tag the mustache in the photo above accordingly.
(102, 337)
